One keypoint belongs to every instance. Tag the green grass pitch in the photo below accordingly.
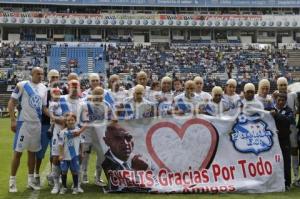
(91, 190)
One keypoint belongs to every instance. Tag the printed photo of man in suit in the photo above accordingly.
(119, 155)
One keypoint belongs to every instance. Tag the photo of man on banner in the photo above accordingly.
(119, 155)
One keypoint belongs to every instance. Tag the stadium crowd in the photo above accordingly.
(248, 65)
(215, 63)
(68, 114)
(22, 55)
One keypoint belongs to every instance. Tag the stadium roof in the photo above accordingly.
(166, 3)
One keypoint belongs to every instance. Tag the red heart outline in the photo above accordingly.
(180, 132)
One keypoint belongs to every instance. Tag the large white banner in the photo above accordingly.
(193, 155)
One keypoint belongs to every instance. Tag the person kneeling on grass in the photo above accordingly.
(69, 149)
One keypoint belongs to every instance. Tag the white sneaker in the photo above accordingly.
(63, 190)
(50, 180)
(75, 191)
(55, 189)
(12, 186)
(100, 183)
(33, 186)
(85, 179)
(79, 189)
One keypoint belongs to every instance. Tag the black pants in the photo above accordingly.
(286, 152)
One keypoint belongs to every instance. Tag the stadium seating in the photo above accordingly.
(212, 61)
(77, 59)
(205, 61)
(55, 58)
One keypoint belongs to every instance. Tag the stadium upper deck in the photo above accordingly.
(152, 21)
(165, 3)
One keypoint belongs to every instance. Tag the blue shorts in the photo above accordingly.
(72, 164)
(45, 141)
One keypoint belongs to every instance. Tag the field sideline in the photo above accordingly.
(91, 191)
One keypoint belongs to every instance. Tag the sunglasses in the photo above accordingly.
(128, 138)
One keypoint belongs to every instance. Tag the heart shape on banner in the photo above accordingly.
(176, 155)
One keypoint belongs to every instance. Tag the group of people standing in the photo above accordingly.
(70, 120)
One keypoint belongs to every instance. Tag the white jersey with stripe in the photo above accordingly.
(166, 105)
(181, 102)
(135, 110)
(215, 109)
(74, 105)
(118, 97)
(55, 108)
(204, 96)
(67, 142)
(252, 106)
(153, 96)
(28, 103)
(95, 116)
(95, 113)
(266, 101)
(232, 100)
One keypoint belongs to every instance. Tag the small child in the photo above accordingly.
(57, 123)
(54, 106)
(69, 151)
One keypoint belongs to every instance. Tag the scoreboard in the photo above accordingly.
(166, 3)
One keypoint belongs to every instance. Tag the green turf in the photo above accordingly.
(91, 191)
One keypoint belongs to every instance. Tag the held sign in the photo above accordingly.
(196, 155)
